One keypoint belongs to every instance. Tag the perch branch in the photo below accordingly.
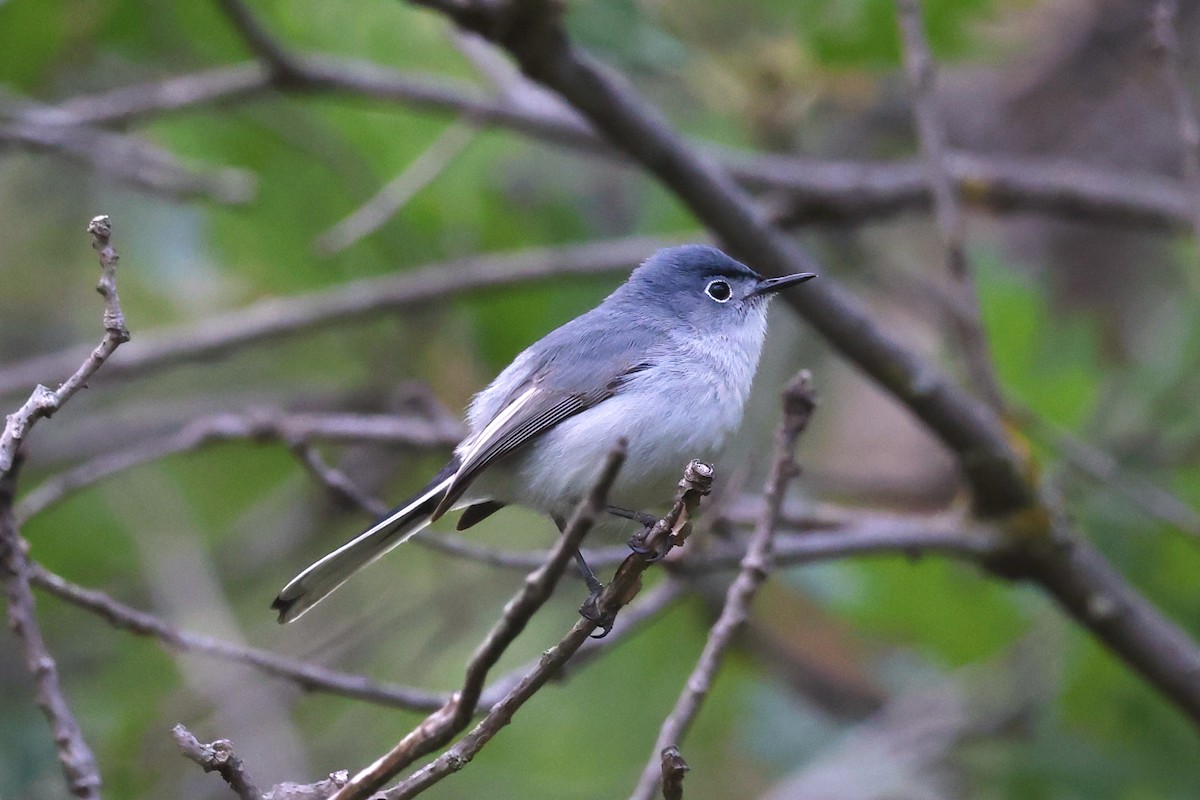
(672, 529)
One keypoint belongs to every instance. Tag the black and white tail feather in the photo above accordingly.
(316, 583)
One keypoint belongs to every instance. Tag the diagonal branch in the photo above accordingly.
(673, 529)
(387, 202)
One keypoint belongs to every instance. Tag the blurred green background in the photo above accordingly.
(988, 691)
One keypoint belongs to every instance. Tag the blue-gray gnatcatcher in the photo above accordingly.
(666, 362)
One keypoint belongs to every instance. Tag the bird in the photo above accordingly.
(665, 363)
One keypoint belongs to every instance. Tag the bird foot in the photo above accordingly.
(592, 611)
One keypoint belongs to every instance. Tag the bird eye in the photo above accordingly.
(718, 290)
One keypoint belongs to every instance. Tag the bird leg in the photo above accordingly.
(640, 517)
(590, 610)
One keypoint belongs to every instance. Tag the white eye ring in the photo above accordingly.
(719, 290)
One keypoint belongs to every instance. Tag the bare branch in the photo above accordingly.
(804, 191)
(968, 325)
(798, 405)
(278, 318)
(1105, 469)
(258, 424)
(217, 757)
(307, 676)
(44, 402)
(78, 764)
(674, 527)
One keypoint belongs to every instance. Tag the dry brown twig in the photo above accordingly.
(798, 405)
(44, 402)
(217, 757)
(78, 762)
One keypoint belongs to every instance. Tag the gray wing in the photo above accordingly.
(571, 370)
(534, 410)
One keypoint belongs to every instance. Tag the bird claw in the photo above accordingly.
(637, 543)
(593, 612)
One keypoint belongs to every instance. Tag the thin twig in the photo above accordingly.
(260, 424)
(438, 728)
(44, 402)
(218, 757)
(1166, 37)
(389, 200)
(78, 763)
(306, 675)
(674, 528)
(674, 768)
(1104, 468)
(798, 405)
(931, 132)
(269, 320)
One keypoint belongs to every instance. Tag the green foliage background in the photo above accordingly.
(1096, 732)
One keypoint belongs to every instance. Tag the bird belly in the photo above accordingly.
(664, 429)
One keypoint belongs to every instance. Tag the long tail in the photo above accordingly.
(316, 583)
